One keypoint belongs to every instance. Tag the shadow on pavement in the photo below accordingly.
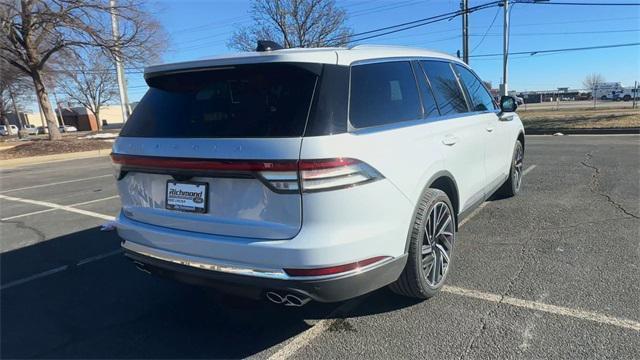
(109, 309)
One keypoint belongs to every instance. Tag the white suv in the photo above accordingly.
(306, 174)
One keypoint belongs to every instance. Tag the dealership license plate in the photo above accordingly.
(187, 196)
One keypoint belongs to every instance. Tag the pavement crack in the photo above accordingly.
(21, 225)
(595, 185)
(489, 314)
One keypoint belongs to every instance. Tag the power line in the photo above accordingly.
(578, 3)
(535, 52)
(486, 32)
(417, 23)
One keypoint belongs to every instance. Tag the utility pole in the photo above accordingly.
(122, 84)
(504, 89)
(635, 94)
(55, 98)
(464, 5)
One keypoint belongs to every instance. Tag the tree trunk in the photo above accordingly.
(3, 115)
(43, 99)
(98, 121)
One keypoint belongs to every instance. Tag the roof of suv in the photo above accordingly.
(338, 56)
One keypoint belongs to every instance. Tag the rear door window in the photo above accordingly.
(428, 101)
(479, 95)
(247, 101)
(445, 86)
(383, 93)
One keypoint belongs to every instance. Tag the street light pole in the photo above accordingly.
(464, 6)
(505, 51)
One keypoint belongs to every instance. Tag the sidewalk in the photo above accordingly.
(35, 160)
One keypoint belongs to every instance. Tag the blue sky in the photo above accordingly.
(198, 29)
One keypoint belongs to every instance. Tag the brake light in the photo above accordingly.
(333, 270)
(279, 175)
(331, 174)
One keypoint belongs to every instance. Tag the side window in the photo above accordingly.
(428, 101)
(445, 87)
(383, 93)
(481, 99)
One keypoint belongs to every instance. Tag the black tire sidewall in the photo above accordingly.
(414, 262)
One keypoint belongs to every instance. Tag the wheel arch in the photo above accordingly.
(521, 139)
(444, 181)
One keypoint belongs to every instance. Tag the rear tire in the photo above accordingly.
(430, 247)
(512, 186)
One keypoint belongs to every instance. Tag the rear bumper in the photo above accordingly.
(326, 289)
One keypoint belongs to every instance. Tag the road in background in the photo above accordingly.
(550, 273)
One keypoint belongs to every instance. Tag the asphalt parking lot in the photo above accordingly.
(552, 273)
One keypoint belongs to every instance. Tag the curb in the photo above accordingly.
(45, 159)
(589, 131)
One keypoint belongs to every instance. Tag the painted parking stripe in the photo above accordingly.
(547, 308)
(61, 207)
(55, 183)
(59, 269)
(52, 209)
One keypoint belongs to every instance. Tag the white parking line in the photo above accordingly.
(59, 269)
(54, 209)
(61, 207)
(55, 183)
(548, 308)
(529, 169)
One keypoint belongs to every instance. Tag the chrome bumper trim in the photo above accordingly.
(230, 268)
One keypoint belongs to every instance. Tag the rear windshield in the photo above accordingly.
(263, 100)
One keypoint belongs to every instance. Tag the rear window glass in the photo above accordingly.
(266, 100)
(383, 93)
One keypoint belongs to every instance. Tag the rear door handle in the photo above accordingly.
(490, 129)
(449, 140)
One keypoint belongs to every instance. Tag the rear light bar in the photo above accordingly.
(333, 270)
(280, 175)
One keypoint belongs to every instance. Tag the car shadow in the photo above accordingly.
(106, 308)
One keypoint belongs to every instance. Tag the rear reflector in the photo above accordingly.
(332, 270)
(280, 175)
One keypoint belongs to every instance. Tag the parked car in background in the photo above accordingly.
(67, 128)
(304, 174)
(12, 130)
(30, 129)
(43, 130)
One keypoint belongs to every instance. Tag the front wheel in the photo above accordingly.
(430, 247)
(511, 187)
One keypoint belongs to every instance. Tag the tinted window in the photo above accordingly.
(330, 101)
(478, 94)
(428, 101)
(445, 86)
(269, 100)
(382, 94)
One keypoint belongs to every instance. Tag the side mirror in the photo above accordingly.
(508, 104)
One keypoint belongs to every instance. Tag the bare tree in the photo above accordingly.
(592, 81)
(91, 83)
(33, 32)
(14, 85)
(293, 23)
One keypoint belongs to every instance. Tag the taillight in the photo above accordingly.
(116, 166)
(334, 270)
(332, 174)
(286, 176)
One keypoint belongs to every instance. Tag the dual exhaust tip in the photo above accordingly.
(287, 299)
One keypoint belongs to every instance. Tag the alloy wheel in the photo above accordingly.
(437, 244)
(518, 164)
